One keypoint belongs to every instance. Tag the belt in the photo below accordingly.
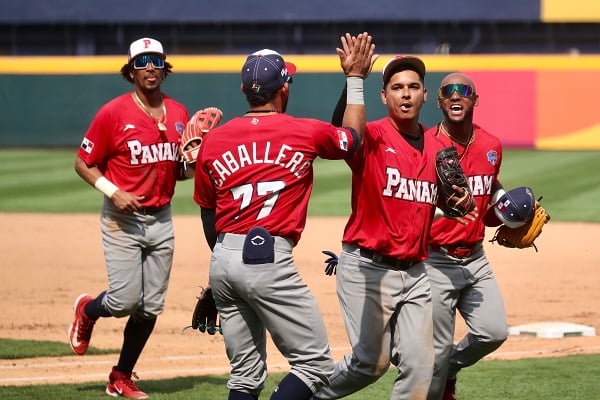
(151, 210)
(389, 262)
(458, 251)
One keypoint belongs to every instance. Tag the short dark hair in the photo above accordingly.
(127, 68)
(256, 99)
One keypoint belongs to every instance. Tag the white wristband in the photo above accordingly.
(354, 90)
(106, 186)
(499, 193)
(438, 213)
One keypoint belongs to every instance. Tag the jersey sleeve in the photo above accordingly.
(335, 143)
(94, 146)
(204, 191)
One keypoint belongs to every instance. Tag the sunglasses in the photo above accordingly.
(462, 89)
(142, 61)
(289, 79)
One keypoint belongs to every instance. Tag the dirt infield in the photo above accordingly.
(48, 260)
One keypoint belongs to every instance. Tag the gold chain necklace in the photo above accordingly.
(466, 146)
(159, 121)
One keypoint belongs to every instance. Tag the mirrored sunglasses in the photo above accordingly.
(289, 79)
(462, 89)
(141, 62)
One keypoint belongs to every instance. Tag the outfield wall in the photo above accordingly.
(543, 102)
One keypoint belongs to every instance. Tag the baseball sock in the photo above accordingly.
(291, 388)
(235, 395)
(136, 334)
(95, 309)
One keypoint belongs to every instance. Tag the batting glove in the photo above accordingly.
(332, 262)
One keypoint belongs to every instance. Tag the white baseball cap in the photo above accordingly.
(145, 45)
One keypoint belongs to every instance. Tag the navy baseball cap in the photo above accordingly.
(265, 71)
(514, 208)
(400, 63)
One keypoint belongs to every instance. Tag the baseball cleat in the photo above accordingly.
(120, 384)
(80, 330)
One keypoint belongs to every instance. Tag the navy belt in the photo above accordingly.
(389, 262)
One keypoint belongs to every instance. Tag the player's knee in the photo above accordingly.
(498, 335)
(121, 308)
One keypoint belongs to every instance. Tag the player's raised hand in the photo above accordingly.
(357, 54)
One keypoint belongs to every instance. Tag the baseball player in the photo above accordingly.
(382, 284)
(460, 274)
(130, 154)
(253, 181)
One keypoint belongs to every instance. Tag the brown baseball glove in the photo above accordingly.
(457, 202)
(523, 236)
(198, 126)
(205, 317)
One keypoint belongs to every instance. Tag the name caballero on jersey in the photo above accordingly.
(153, 153)
(258, 153)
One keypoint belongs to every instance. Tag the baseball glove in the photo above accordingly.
(457, 203)
(525, 235)
(205, 316)
(198, 126)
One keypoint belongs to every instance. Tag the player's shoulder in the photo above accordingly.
(115, 107)
(171, 102)
(483, 134)
(433, 139)
(380, 123)
(118, 102)
(378, 128)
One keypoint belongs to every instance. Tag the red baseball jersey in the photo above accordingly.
(126, 145)
(394, 193)
(481, 164)
(258, 171)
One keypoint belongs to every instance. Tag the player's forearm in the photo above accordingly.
(338, 113)
(208, 224)
(355, 114)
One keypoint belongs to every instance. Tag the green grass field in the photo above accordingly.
(44, 181)
(571, 377)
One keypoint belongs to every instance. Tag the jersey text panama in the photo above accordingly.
(481, 184)
(409, 189)
(147, 154)
(254, 153)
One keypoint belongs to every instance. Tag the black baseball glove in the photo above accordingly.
(456, 202)
(205, 316)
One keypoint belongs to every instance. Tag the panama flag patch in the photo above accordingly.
(87, 145)
(343, 139)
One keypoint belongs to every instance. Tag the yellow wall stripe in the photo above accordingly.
(570, 10)
(305, 63)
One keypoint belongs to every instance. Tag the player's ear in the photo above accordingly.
(475, 100)
(383, 97)
(285, 89)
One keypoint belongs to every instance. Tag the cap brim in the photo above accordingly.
(291, 68)
(490, 218)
